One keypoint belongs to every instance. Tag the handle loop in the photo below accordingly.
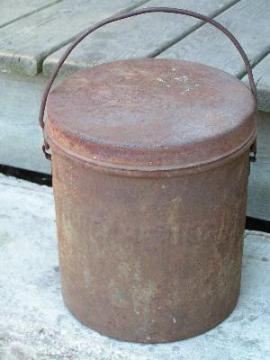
(116, 18)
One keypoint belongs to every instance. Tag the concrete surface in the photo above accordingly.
(34, 324)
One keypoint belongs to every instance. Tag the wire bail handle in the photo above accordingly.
(116, 18)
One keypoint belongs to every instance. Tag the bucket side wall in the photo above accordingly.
(150, 260)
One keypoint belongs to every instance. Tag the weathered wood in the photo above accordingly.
(138, 37)
(259, 191)
(248, 20)
(20, 135)
(12, 10)
(263, 143)
(262, 77)
(259, 180)
(25, 43)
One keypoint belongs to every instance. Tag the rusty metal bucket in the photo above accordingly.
(150, 163)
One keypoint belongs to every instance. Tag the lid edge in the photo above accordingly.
(142, 170)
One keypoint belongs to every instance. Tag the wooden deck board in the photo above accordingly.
(248, 20)
(20, 135)
(25, 43)
(261, 74)
(259, 180)
(142, 36)
(259, 192)
(12, 10)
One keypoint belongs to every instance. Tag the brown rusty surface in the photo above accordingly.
(139, 12)
(151, 114)
(150, 260)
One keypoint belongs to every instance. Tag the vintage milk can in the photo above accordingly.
(150, 162)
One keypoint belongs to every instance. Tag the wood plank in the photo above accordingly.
(249, 22)
(11, 10)
(25, 43)
(259, 180)
(142, 36)
(261, 74)
(20, 135)
(263, 141)
(259, 191)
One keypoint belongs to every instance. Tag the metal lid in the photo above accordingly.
(151, 114)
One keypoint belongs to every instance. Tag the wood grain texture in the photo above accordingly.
(263, 143)
(25, 43)
(142, 36)
(259, 180)
(20, 134)
(259, 192)
(12, 10)
(261, 74)
(248, 20)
